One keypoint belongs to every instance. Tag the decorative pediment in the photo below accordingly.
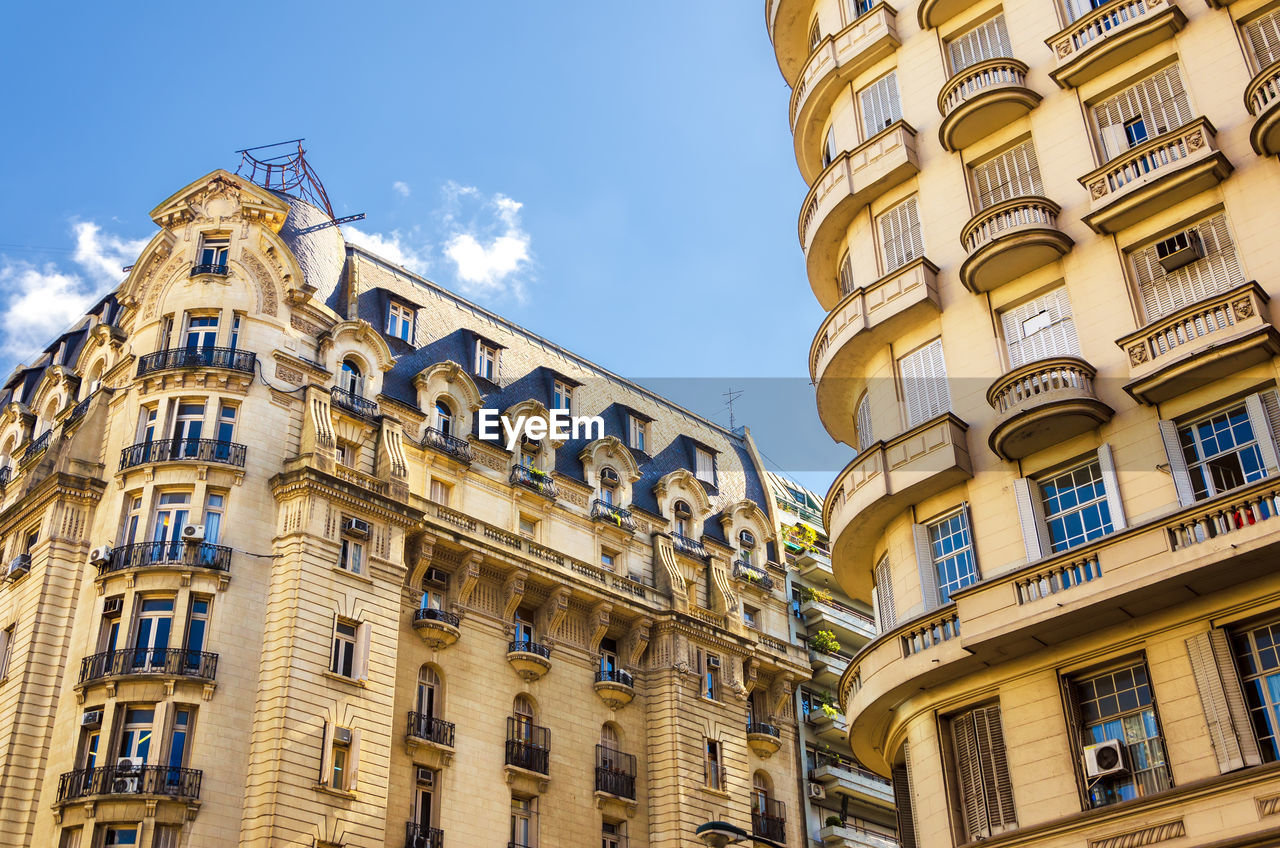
(449, 378)
(610, 451)
(682, 483)
(747, 515)
(358, 333)
(221, 195)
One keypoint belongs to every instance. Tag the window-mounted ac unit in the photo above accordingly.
(100, 554)
(193, 533)
(1179, 249)
(426, 777)
(1104, 759)
(682, 511)
(342, 735)
(18, 566)
(355, 526)
(437, 577)
(91, 718)
(112, 606)
(713, 662)
(817, 791)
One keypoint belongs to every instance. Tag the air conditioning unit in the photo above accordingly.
(91, 718)
(713, 662)
(100, 554)
(125, 785)
(193, 533)
(1104, 759)
(426, 777)
(1179, 249)
(127, 765)
(18, 566)
(817, 791)
(355, 526)
(437, 577)
(342, 735)
(682, 511)
(112, 606)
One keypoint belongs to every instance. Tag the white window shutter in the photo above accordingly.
(326, 753)
(988, 40)
(1261, 425)
(1216, 272)
(884, 596)
(1056, 338)
(866, 436)
(1035, 535)
(1111, 485)
(1225, 711)
(880, 105)
(1014, 173)
(361, 659)
(1177, 463)
(924, 383)
(924, 562)
(1263, 36)
(353, 761)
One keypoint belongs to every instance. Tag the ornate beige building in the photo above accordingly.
(1044, 232)
(265, 584)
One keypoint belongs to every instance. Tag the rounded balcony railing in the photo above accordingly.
(162, 662)
(615, 675)
(1010, 239)
(1044, 403)
(1261, 98)
(197, 357)
(982, 98)
(525, 646)
(183, 450)
(428, 614)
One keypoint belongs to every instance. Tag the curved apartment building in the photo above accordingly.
(1043, 233)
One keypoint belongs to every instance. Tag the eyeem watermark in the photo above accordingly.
(560, 426)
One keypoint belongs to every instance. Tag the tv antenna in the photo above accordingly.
(283, 167)
(729, 397)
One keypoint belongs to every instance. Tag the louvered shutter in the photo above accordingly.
(973, 802)
(326, 754)
(1160, 100)
(1054, 336)
(1260, 423)
(1234, 691)
(1014, 173)
(846, 276)
(924, 383)
(924, 564)
(865, 433)
(1075, 730)
(999, 787)
(353, 761)
(815, 35)
(1035, 535)
(880, 105)
(1111, 485)
(906, 813)
(1271, 402)
(988, 40)
(1211, 683)
(1263, 36)
(884, 595)
(900, 236)
(1216, 272)
(1177, 463)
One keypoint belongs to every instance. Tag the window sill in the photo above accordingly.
(345, 794)
(715, 793)
(349, 681)
(353, 575)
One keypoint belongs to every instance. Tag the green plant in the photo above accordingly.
(830, 711)
(824, 641)
(833, 821)
(820, 595)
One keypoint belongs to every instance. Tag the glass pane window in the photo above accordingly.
(1075, 507)
(1221, 452)
(351, 557)
(400, 322)
(951, 545)
(1257, 654)
(561, 395)
(343, 661)
(1119, 706)
(202, 331)
(213, 251)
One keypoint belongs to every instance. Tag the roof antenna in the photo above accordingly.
(729, 397)
(283, 167)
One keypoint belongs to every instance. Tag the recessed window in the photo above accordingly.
(1221, 452)
(1148, 108)
(528, 527)
(1135, 131)
(346, 454)
(486, 364)
(1118, 707)
(683, 516)
(613, 835)
(343, 660)
(880, 105)
(6, 650)
(440, 492)
(609, 559)
(351, 379)
(400, 322)
(212, 257)
(712, 765)
(710, 676)
(705, 465)
(1075, 506)
(750, 616)
(117, 836)
(444, 418)
(201, 332)
(351, 556)
(829, 150)
(340, 760)
(979, 765)
(524, 822)
(561, 395)
(924, 383)
(901, 239)
(951, 547)
(639, 431)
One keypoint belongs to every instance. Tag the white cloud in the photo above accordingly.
(490, 257)
(401, 188)
(394, 247)
(104, 256)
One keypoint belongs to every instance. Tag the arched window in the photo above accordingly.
(6, 456)
(91, 385)
(444, 418)
(352, 379)
(609, 736)
(524, 711)
(50, 414)
(430, 693)
(683, 515)
(608, 484)
(865, 437)
(747, 546)
(761, 789)
(524, 706)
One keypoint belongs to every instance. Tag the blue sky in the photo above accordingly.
(617, 177)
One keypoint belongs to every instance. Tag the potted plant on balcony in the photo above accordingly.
(540, 478)
(827, 703)
(833, 821)
(801, 536)
(808, 595)
(825, 641)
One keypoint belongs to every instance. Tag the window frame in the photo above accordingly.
(400, 321)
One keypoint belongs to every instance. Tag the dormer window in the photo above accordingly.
(561, 395)
(529, 451)
(639, 433)
(747, 539)
(705, 465)
(444, 418)
(608, 484)
(351, 380)
(400, 321)
(486, 360)
(683, 516)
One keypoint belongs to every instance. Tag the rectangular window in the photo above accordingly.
(524, 822)
(1119, 706)
(135, 736)
(213, 250)
(1075, 506)
(711, 677)
(235, 330)
(1217, 270)
(924, 383)
(1222, 452)
(167, 836)
(343, 659)
(987, 40)
(900, 237)
(346, 454)
(528, 528)
(70, 838)
(858, 8)
(1263, 37)
(440, 492)
(351, 557)
(750, 616)
(147, 424)
(1150, 107)
(202, 331)
(214, 506)
(608, 560)
(1257, 658)
(887, 615)
(705, 465)
(486, 361)
(639, 433)
(951, 550)
(1040, 329)
(340, 758)
(613, 835)
(561, 395)
(1014, 173)
(118, 835)
(880, 105)
(981, 773)
(713, 767)
(6, 650)
(400, 322)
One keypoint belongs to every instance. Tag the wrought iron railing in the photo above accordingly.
(437, 730)
(602, 511)
(417, 836)
(685, 545)
(535, 479)
(36, 447)
(765, 728)
(528, 744)
(753, 574)
(353, 403)
(528, 646)
(197, 357)
(769, 819)
(615, 675)
(77, 412)
(615, 772)
(176, 554)
(459, 449)
(209, 268)
(183, 450)
(139, 780)
(169, 662)
(429, 614)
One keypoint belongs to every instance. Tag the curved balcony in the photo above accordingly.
(763, 739)
(1009, 239)
(145, 780)
(1153, 176)
(227, 358)
(883, 481)
(183, 450)
(148, 662)
(836, 61)
(438, 628)
(843, 190)
(608, 513)
(535, 480)
(1109, 36)
(1262, 99)
(1044, 403)
(177, 554)
(531, 660)
(615, 687)
(357, 405)
(212, 269)
(788, 25)
(981, 99)
(862, 323)
(459, 449)
(1171, 356)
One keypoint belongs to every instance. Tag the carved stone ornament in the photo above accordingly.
(1243, 307)
(1138, 354)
